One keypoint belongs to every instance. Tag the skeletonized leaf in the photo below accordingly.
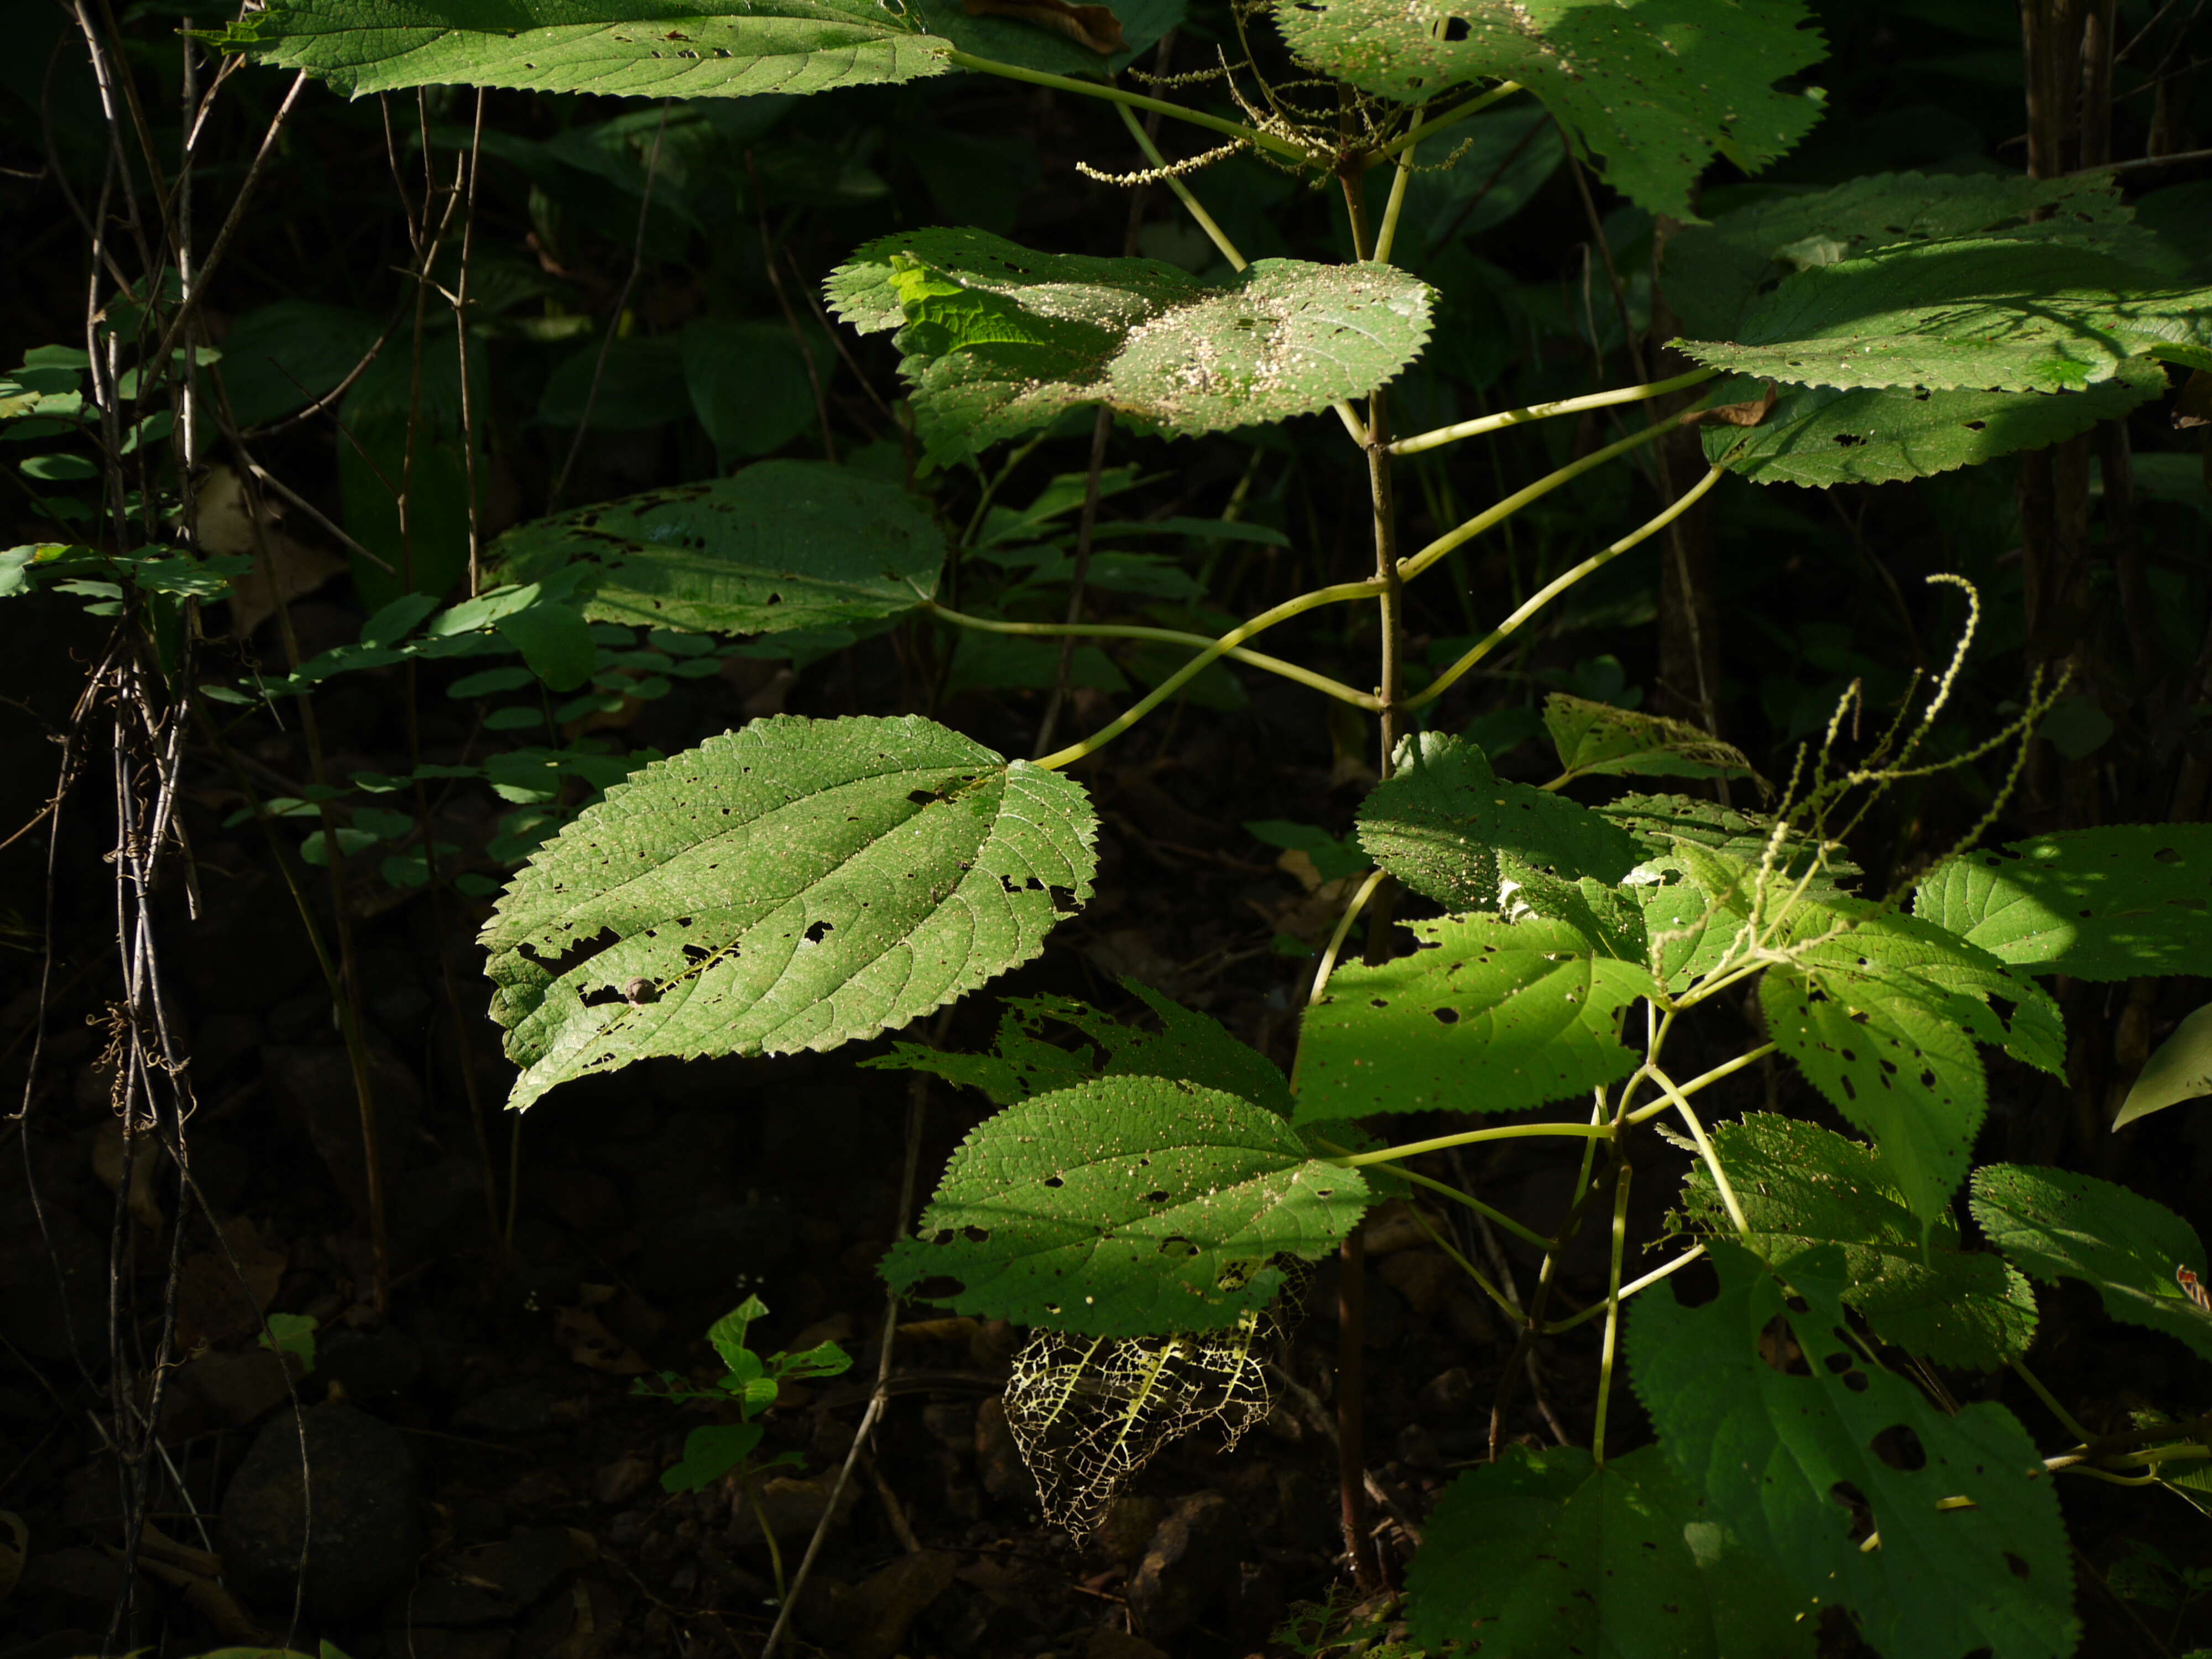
(2179, 1069)
(1766, 1407)
(999, 339)
(1545, 1554)
(2057, 1225)
(1597, 739)
(1655, 92)
(1819, 435)
(1443, 821)
(1126, 1206)
(1803, 1188)
(1488, 1016)
(794, 885)
(2100, 904)
(779, 546)
(1974, 313)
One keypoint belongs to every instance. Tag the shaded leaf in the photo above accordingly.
(709, 1453)
(1811, 1454)
(2179, 1069)
(283, 357)
(1125, 1206)
(792, 885)
(554, 641)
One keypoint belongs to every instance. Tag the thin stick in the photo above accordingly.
(468, 414)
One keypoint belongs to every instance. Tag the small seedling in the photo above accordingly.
(752, 1384)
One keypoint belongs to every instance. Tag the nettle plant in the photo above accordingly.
(1147, 1204)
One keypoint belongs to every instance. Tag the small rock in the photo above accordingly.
(517, 1408)
(952, 1426)
(583, 1623)
(315, 1085)
(529, 1564)
(1385, 1316)
(1447, 1396)
(692, 1254)
(235, 1390)
(368, 1365)
(875, 1614)
(1128, 1526)
(1189, 1567)
(1424, 1278)
(999, 1463)
(1107, 1643)
(1256, 1607)
(1466, 1317)
(367, 1531)
(621, 1481)
(792, 1508)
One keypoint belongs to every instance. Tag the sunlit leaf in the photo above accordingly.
(2179, 1069)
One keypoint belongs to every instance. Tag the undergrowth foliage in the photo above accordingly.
(1150, 1201)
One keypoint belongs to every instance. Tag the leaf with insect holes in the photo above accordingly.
(2119, 902)
(1767, 1407)
(1488, 1016)
(999, 339)
(1974, 313)
(1803, 1188)
(2056, 1225)
(1190, 1045)
(1446, 825)
(654, 48)
(2179, 1069)
(1656, 91)
(792, 886)
(1597, 739)
(781, 546)
(1126, 1206)
(1544, 1554)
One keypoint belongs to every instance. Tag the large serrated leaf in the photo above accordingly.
(999, 339)
(1803, 1188)
(654, 48)
(1126, 1207)
(1595, 739)
(1809, 1451)
(1975, 313)
(1821, 436)
(2117, 903)
(795, 885)
(1545, 1554)
(1442, 822)
(1488, 1016)
(2057, 1225)
(1655, 90)
(776, 547)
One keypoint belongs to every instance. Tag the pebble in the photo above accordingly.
(367, 1531)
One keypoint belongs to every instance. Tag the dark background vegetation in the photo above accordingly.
(645, 1204)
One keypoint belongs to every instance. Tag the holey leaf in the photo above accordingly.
(1126, 1206)
(2056, 1225)
(1488, 1016)
(781, 546)
(1975, 313)
(1768, 1408)
(1656, 90)
(1597, 739)
(2119, 902)
(1000, 340)
(794, 885)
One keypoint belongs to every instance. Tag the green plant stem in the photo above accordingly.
(1167, 688)
(1288, 671)
(1214, 232)
(1632, 394)
(1468, 1267)
(1552, 590)
(1626, 1290)
(1343, 931)
(768, 1535)
(1474, 1137)
(991, 487)
(1387, 238)
(1705, 1148)
(1528, 1235)
(1609, 1350)
(2049, 1400)
(1412, 565)
(1133, 100)
(1452, 117)
(1705, 1081)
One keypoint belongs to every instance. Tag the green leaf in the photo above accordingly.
(636, 384)
(822, 1359)
(656, 48)
(1972, 313)
(1597, 739)
(1126, 1206)
(999, 339)
(749, 383)
(709, 1453)
(1656, 91)
(1488, 1016)
(1189, 1045)
(282, 357)
(394, 622)
(781, 546)
(2057, 1225)
(792, 885)
(2118, 902)
(555, 641)
(1821, 436)
(1448, 827)
(1767, 1407)
(727, 1333)
(1803, 1188)
(1544, 1554)
(1665, 824)
(316, 849)
(292, 1333)
(2179, 1069)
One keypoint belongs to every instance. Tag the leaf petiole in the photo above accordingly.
(1214, 232)
(1473, 1137)
(1692, 1253)
(1133, 100)
(1452, 117)
(1705, 1081)
(1629, 394)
